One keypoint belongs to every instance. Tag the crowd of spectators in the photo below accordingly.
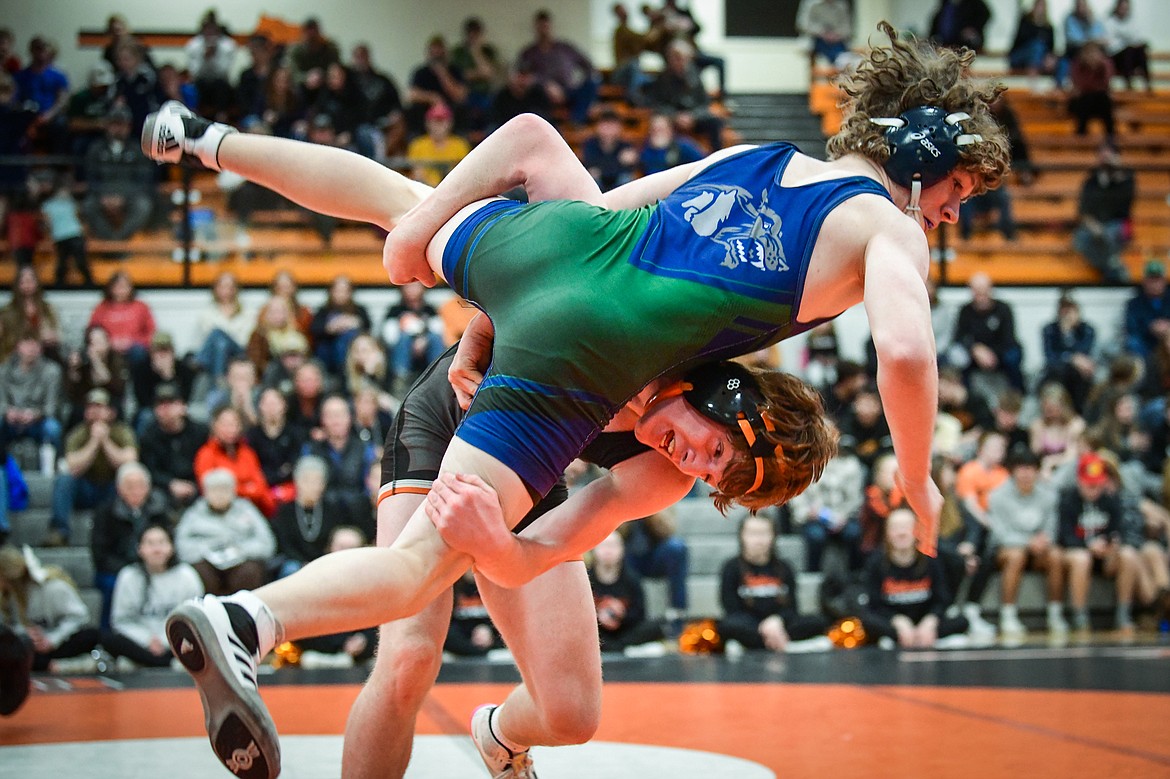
(85, 176)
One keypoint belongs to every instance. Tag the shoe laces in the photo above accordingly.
(521, 766)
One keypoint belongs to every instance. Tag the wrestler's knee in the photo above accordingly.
(572, 719)
(406, 666)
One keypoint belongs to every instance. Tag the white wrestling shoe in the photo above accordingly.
(501, 762)
(174, 134)
(210, 647)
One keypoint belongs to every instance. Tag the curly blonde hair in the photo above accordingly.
(912, 73)
(806, 436)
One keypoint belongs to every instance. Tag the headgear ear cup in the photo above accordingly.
(925, 145)
(728, 393)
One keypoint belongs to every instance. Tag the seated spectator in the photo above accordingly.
(977, 213)
(340, 99)
(480, 64)
(28, 311)
(986, 328)
(118, 525)
(304, 526)
(908, 595)
(1090, 96)
(1021, 523)
(211, 58)
(606, 155)
(822, 355)
(978, 478)
(654, 550)
(826, 512)
(679, 92)
(366, 370)
(129, 321)
(162, 368)
(94, 451)
(275, 332)
(383, 126)
(1127, 45)
(227, 450)
(851, 378)
(959, 23)
(437, 150)
(619, 599)
(679, 23)
(340, 649)
(223, 327)
(757, 590)
(412, 334)
(1147, 315)
(284, 364)
(337, 323)
(1033, 49)
(1057, 431)
(94, 366)
(882, 495)
(346, 455)
(628, 45)
(1089, 536)
(962, 545)
(1120, 431)
(119, 33)
(224, 537)
(436, 82)
(521, 94)
(170, 443)
(1145, 528)
(566, 74)
(276, 442)
(284, 107)
(284, 285)
(370, 420)
(42, 603)
(146, 591)
(239, 391)
(308, 390)
(63, 218)
(30, 396)
(313, 52)
(9, 59)
(829, 23)
(135, 83)
(864, 428)
(1126, 375)
(663, 149)
(1068, 351)
(252, 83)
(120, 181)
(42, 83)
(1007, 420)
(89, 106)
(471, 633)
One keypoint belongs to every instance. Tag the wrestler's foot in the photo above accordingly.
(501, 762)
(216, 642)
(174, 134)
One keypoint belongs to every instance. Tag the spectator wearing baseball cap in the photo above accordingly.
(1090, 517)
(435, 152)
(170, 441)
(161, 367)
(1147, 313)
(94, 450)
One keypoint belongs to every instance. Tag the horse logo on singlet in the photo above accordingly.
(748, 232)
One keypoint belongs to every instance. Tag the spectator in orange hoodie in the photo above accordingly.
(227, 449)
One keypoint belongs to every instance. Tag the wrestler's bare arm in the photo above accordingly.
(468, 517)
(896, 302)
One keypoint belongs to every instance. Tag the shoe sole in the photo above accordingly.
(240, 730)
(148, 141)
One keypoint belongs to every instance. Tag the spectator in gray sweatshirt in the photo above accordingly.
(41, 602)
(1021, 517)
(30, 394)
(224, 537)
(144, 594)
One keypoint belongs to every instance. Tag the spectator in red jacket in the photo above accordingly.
(226, 448)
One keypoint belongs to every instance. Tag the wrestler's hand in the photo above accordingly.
(926, 502)
(467, 514)
(471, 359)
(404, 255)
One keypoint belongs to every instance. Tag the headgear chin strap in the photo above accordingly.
(925, 145)
(728, 393)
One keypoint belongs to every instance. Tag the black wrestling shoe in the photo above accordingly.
(16, 661)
